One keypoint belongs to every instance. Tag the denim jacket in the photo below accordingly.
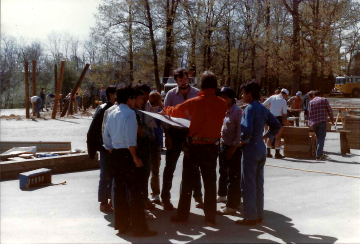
(253, 123)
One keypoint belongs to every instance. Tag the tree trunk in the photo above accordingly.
(131, 53)
(296, 82)
(267, 26)
(153, 46)
(169, 33)
(228, 80)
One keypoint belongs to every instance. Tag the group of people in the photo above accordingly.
(316, 110)
(39, 102)
(130, 142)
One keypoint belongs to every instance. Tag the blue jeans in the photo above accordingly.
(178, 138)
(320, 131)
(252, 178)
(105, 182)
(38, 107)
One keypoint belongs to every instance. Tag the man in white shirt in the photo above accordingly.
(278, 108)
(36, 104)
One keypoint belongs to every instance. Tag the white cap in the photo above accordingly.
(299, 93)
(284, 90)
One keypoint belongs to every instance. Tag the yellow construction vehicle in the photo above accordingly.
(347, 86)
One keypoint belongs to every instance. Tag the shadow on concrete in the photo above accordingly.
(341, 162)
(301, 161)
(348, 155)
(67, 121)
(276, 228)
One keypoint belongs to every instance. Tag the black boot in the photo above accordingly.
(278, 155)
(269, 155)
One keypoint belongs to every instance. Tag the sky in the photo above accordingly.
(36, 19)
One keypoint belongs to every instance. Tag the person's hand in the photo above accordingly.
(332, 122)
(137, 162)
(162, 112)
(230, 152)
(265, 138)
(110, 150)
(168, 143)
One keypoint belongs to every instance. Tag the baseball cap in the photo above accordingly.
(299, 93)
(284, 90)
(229, 92)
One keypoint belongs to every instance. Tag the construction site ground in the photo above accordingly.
(300, 206)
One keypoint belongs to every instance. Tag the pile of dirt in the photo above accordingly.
(11, 117)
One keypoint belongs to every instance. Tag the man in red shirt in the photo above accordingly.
(207, 112)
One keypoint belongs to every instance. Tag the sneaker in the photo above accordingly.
(279, 156)
(226, 211)
(156, 199)
(221, 199)
(167, 205)
(269, 155)
(199, 203)
(147, 233)
(105, 208)
(247, 222)
(148, 204)
(149, 215)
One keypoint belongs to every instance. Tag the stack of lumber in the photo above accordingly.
(296, 142)
(352, 124)
(41, 146)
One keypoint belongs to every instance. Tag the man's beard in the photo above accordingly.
(184, 87)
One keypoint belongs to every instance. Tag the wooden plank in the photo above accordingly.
(59, 164)
(74, 90)
(27, 97)
(58, 90)
(34, 82)
(41, 146)
(344, 146)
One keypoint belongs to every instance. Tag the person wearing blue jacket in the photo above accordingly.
(253, 160)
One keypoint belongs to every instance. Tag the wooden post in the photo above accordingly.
(34, 82)
(75, 90)
(27, 90)
(58, 90)
(76, 105)
(60, 102)
(344, 145)
(56, 79)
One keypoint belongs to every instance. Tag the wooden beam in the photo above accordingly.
(73, 91)
(34, 82)
(56, 79)
(41, 146)
(27, 97)
(58, 90)
(58, 164)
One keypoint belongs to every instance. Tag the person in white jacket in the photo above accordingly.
(278, 107)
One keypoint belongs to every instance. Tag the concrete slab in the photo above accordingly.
(300, 206)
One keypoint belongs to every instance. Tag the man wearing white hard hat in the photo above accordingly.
(278, 108)
(296, 102)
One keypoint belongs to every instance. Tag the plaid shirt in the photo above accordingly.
(319, 109)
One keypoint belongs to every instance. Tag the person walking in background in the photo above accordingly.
(102, 95)
(207, 112)
(95, 143)
(49, 100)
(278, 108)
(253, 160)
(36, 104)
(307, 99)
(296, 102)
(42, 96)
(319, 110)
(230, 155)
